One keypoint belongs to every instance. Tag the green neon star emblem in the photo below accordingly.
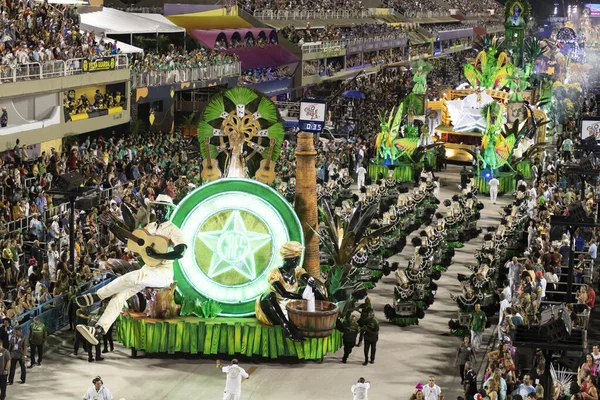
(233, 247)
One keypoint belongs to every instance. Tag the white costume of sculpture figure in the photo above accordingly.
(122, 288)
(309, 296)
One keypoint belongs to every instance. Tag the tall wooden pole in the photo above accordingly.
(306, 200)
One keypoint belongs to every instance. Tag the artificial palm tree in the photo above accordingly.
(341, 241)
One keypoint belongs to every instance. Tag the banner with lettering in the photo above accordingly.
(99, 64)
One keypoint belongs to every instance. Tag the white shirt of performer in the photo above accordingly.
(360, 390)
(102, 394)
(233, 385)
(170, 231)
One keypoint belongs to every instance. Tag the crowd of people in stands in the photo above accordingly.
(247, 42)
(39, 31)
(258, 75)
(83, 104)
(447, 71)
(412, 8)
(179, 59)
(435, 28)
(360, 31)
(469, 7)
(302, 5)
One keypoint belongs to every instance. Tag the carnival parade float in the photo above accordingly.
(240, 288)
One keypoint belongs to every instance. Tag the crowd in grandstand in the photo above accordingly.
(42, 32)
(360, 31)
(414, 7)
(180, 59)
(470, 7)
(258, 75)
(34, 227)
(84, 105)
(302, 5)
(435, 28)
(447, 71)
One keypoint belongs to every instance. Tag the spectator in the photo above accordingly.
(18, 354)
(371, 336)
(470, 381)
(524, 388)
(478, 321)
(360, 389)
(38, 334)
(431, 391)
(98, 391)
(5, 366)
(464, 353)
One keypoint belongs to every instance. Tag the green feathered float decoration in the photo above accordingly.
(243, 127)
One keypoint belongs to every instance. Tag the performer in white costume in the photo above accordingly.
(157, 276)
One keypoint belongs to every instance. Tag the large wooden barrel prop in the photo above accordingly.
(320, 323)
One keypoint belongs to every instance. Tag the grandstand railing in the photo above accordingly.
(158, 78)
(50, 69)
(352, 42)
(425, 14)
(310, 15)
(55, 313)
(316, 47)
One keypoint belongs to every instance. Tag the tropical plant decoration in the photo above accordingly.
(341, 240)
(397, 141)
(420, 69)
(495, 147)
(517, 82)
(240, 124)
(489, 71)
(489, 42)
(534, 48)
(390, 125)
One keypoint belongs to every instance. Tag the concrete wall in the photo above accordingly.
(33, 105)
(22, 110)
(54, 85)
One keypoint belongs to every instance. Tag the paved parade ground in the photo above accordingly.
(405, 356)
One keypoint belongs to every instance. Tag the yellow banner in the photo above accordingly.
(99, 64)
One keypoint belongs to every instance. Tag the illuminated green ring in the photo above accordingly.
(232, 194)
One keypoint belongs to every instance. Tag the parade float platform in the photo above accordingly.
(403, 172)
(218, 336)
(507, 182)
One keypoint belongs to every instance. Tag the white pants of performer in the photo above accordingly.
(128, 285)
(476, 338)
(360, 182)
(493, 195)
(231, 396)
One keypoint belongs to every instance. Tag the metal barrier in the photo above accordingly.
(317, 47)
(158, 78)
(310, 15)
(426, 14)
(50, 69)
(352, 42)
(54, 313)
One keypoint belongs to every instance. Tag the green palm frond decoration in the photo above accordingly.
(214, 109)
(241, 95)
(275, 132)
(267, 110)
(205, 130)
